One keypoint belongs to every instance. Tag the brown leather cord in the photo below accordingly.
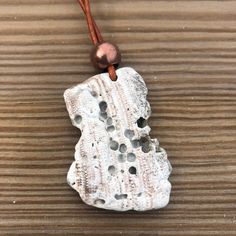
(95, 33)
(98, 35)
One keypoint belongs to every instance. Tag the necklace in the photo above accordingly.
(117, 165)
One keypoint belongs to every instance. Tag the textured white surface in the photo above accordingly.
(117, 166)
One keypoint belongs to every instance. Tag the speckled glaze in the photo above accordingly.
(117, 165)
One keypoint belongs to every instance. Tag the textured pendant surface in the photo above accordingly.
(117, 165)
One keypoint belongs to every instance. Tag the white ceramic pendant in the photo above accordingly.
(117, 165)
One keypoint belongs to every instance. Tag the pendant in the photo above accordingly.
(117, 165)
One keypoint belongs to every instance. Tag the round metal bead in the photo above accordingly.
(105, 54)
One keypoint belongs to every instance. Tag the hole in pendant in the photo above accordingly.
(103, 106)
(131, 157)
(141, 122)
(109, 121)
(94, 93)
(129, 133)
(112, 170)
(139, 194)
(135, 143)
(121, 196)
(111, 128)
(123, 148)
(132, 170)
(114, 145)
(78, 119)
(103, 115)
(146, 149)
(145, 144)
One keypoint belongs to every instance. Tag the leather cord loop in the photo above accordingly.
(95, 33)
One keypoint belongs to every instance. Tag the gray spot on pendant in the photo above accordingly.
(121, 196)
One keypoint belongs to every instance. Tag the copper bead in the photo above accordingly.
(105, 54)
